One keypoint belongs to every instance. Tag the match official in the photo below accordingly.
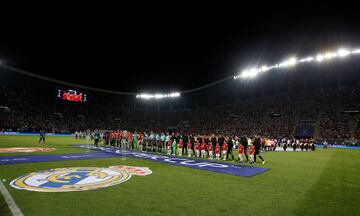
(244, 142)
(257, 144)
(230, 148)
(97, 138)
(42, 136)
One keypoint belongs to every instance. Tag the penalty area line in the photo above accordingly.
(15, 210)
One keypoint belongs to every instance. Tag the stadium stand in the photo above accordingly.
(277, 115)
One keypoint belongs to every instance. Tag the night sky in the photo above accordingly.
(157, 50)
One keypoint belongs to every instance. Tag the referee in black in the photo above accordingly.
(185, 141)
(230, 148)
(42, 136)
(244, 142)
(257, 144)
(97, 138)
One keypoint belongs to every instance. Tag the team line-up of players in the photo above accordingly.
(210, 147)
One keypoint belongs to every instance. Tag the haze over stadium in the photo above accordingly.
(180, 113)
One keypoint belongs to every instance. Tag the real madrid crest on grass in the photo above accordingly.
(77, 178)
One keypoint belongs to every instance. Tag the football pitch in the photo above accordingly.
(324, 182)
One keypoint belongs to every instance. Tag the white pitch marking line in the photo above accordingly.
(15, 210)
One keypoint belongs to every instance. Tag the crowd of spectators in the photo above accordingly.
(276, 115)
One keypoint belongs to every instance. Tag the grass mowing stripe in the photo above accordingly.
(337, 185)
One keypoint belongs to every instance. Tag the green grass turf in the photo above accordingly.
(63, 145)
(325, 182)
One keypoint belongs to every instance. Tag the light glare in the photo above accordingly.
(357, 51)
(308, 59)
(292, 61)
(342, 52)
(158, 96)
(330, 55)
(319, 58)
(264, 68)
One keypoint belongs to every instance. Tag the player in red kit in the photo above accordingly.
(180, 146)
(117, 138)
(217, 151)
(203, 150)
(189, 150)
(241, 152)
(197, 149)
(140, 141)
(169, 147)
(224, 150)
(210, 150)
(129, 138)
(252, 153)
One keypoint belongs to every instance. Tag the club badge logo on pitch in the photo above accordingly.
(77, 178)
(25, 150)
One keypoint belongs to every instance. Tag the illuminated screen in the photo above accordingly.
(71, 95)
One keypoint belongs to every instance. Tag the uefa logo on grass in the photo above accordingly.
(77, 178)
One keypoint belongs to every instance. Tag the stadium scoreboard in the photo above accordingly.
(71, 95)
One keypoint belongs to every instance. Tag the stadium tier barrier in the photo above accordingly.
(33, 134)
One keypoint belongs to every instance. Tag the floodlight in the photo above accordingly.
(357, 51)
(319, 58)
(264, 68)
(330, 55)
(249, 73)
(175, 94)
(158, 95)
(283, 64)
(290, 62)
(343, 52)
(307, 59)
